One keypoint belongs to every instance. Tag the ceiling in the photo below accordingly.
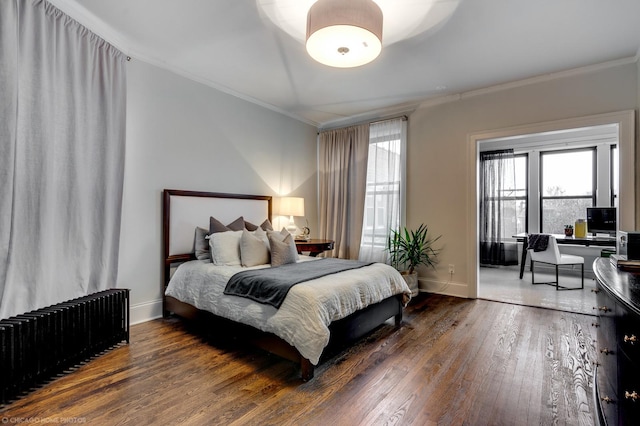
(231, 45)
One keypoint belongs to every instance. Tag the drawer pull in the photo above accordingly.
(633, 395)
(633, 339)
(606, 351)
(602, 308)
(606, 399)
(595, 324)
(595, 290)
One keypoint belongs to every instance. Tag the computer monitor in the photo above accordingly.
(602, 220)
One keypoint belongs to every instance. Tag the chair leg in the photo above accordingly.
(559, 287)
(533, 280)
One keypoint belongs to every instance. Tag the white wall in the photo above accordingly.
(438, 172)
(184, 135)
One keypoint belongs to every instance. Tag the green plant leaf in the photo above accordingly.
(411, 248)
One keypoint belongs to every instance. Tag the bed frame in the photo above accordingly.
(184, 210)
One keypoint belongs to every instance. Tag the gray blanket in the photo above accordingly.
(538, 242)
(271, 285)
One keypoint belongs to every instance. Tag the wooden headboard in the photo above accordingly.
(183, 211)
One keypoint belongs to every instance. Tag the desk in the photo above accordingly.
(563, 239)
(314, 247)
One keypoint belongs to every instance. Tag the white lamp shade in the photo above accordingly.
(343, 33)
(291, 206)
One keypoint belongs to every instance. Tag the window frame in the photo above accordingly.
(527, 189)
(594, 180)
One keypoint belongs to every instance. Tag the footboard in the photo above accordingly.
(343, 331)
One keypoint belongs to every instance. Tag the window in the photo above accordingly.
(385, 189)
(567, 187)
(511, 198)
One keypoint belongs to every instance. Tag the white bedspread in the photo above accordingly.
(306, 312)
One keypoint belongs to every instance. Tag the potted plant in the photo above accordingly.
(568, 230)
(410, 248)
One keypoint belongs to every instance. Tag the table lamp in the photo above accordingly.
(291, 206)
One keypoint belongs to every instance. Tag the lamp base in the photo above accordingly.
(291, 227)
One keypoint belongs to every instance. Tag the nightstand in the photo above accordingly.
(314, 247)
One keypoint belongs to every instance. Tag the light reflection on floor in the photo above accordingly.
(502, 284)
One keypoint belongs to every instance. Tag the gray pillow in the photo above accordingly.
(266, 226)
(253, 250)
(237, 225)
(282, 251)
(250, 226)
(201, 245)
(216, 226)
(279, 235)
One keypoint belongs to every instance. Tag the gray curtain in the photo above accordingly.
(62, 145)
(342, 169)
(497, 183)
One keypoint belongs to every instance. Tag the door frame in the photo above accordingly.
(627, 210)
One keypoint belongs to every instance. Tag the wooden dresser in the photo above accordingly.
(617, 384)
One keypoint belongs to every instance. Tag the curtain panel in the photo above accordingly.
(342, 170)
(384, 204)
(497, 182)
(62, 136)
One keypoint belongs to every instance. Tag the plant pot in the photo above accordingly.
(412, 282)
(568, 232)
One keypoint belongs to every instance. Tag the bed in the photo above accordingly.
(328, 310)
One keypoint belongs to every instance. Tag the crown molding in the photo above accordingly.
(529, 81)
(114, 37)
(119, 41)
(445, 99)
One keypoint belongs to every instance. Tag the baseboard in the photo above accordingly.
(147, 311)
(447, 288)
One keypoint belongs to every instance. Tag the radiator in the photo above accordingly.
(40, 344)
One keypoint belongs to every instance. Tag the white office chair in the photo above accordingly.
(552, 256)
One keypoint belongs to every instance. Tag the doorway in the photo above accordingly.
(608, 140)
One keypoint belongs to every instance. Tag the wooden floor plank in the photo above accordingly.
(453, 361)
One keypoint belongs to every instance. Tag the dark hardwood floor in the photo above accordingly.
(453, 362)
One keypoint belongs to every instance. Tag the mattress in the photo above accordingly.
(303, 318)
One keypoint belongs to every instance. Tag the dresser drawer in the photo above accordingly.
(628, 335)
(605, 322)
(606, 399)
(628, 391)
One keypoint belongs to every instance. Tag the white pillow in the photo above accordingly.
(225, 248)
(261, 234)
(253, 250)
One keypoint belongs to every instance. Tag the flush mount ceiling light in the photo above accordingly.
(402, 18)
(344, 34)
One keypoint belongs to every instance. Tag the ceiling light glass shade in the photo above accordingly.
(403, 19)
(343, 33)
